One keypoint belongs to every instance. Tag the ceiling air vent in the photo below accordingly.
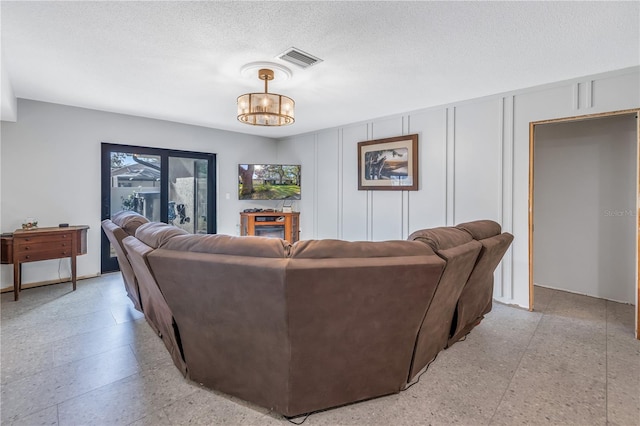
(299, 58)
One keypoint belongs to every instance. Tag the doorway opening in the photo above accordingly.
(175, 187)
(584, 189)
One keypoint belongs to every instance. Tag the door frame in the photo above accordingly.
(532, 126)
(108, 264)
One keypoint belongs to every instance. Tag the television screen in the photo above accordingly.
(268, 182)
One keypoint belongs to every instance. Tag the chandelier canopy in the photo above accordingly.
(265, 109)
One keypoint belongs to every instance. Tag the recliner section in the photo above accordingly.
(156, 309)
(460, 252)
(138, 280)
(477, 296)
(121, 225)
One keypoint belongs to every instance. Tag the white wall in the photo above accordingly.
(50, 170)
(584, 207)
(474, 164)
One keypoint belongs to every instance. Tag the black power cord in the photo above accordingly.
(431, 362)
(420, 375)
(289, 419)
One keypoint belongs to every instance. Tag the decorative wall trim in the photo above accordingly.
(340, 179)
(502, 120)
(589, 94)
(583, 95)
(316, 185)
(451, 161)
(508, 106)
(406, 195)
(369, 234)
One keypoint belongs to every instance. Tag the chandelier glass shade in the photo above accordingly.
(266, 109)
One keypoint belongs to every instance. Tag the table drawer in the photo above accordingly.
(44, 245)
(48, 239)
(32, 256)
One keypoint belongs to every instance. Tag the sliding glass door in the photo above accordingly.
(176, 187)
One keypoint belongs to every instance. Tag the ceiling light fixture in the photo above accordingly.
(265, 109)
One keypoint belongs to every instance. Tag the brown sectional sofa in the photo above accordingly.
(296, 328)
(317, 324)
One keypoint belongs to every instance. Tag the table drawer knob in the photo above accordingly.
(27, 257)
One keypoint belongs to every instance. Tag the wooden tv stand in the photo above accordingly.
(271, 224)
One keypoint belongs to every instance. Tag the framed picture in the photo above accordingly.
(388, 164)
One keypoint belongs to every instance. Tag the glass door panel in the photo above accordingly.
(135, 184)
(188, 189)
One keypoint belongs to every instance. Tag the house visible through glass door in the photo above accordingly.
(135, 184)
(175, 187)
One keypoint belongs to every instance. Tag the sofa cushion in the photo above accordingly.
(129, 221)
(481, 229)
(226, 244)
(155, 234)
(329, 249)
(441, 238)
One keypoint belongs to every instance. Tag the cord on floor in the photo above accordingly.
(289, 419)
(420, 375)
(431, 362)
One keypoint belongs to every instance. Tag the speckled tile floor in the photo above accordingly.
(88, 358)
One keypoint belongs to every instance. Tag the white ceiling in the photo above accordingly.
(181, 61)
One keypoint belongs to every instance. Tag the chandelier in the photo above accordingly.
(265, 109)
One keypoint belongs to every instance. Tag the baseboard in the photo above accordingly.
(44, 283)
(549, 287)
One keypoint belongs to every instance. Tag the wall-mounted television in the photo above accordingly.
(269, 181)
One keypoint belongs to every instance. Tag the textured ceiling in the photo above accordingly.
(181, 61)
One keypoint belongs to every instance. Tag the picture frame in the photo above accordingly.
(389, 164)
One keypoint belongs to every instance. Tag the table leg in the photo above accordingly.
(17, 269)
(74, 250)
(73, 271)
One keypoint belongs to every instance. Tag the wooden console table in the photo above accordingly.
(43, 244)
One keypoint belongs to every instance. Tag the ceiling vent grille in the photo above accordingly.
(299, 58)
